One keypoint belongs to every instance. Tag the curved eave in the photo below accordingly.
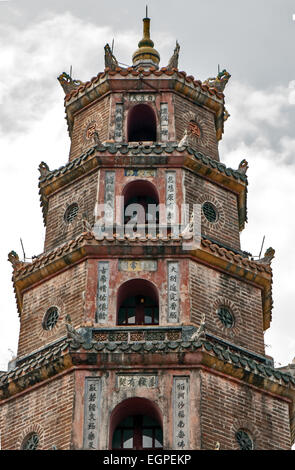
(189, 356)
(201, 165)
(260, 279)
(162, 81)
(87, 246)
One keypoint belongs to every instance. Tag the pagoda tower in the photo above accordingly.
(142, 322)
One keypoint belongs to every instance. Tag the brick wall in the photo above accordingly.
(227, 407)
(83, 192)
(96, 115)
(66, 292)
(160, 396)
(47, 410)
(117, 278)
(186, 111)
(226, 228)
(209, 289)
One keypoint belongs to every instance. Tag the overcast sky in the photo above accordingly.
(253, 40)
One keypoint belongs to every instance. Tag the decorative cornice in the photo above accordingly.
(125, 154)
(152, 72)
(244, 268)
(165, 79)
(86, 350)
(89, 245)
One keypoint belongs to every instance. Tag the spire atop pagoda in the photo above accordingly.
(146, 55)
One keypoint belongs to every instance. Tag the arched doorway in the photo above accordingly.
(136, 424)
(142, 124)
(141, 205)
(137, 303)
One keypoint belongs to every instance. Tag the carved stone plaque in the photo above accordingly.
(109, 197)
(137, 265)
(173, 292)
(137, 380)
(180, 413)
(171, 196)
(102, 299)
(142, 172)
(141, 97)
(92, 398)
(119, 122)
(164, 121)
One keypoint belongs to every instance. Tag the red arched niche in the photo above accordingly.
(133, 406)
(143, 193)
(141, 124)
(140, 188)
(135, 287)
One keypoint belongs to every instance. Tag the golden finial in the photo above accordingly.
(146, 55)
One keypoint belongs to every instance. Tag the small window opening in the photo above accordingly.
(138, 303)
(142, 125)
(138, 432)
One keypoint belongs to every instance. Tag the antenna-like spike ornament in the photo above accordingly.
(146, 56)
(173, 62)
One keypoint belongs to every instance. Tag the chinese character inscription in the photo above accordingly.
(173, 292)
(181, 413)
(92, 412)
(102, 300)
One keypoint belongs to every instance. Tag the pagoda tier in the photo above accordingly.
(142, 322)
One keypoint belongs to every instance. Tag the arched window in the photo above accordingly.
(136, 423)
(138, 432)
(141, 204)
(142, 125)
(138, 303)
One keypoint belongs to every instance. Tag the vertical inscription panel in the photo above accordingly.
(171, 197)
(109, 197)
(91, 412)
(119, 123)
(164, 121)
(173, 292)
(102, 299)
(180, 413)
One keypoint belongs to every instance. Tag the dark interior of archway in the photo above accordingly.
(142, 124)
(143, 193)
(133, 407)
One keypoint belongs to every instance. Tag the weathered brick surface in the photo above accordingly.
(161, 397)
(97, 114)
(46, 410)
(158, 181)
(83, 192)
(210, 288)
(218, 404)
(226, 228)
(66, 291)
(117, 278)
(185, 111)
(227, 407)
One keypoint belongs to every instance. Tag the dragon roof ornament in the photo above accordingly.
(67, 83)
(219, 82)
(110, 60)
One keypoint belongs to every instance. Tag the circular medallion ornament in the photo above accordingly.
(197, 129)
(225, 316)
(31, 442)
(93, 124)
(50, 318)
(71, 212)
(210, 212)
(244, 440)
(90, 129)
